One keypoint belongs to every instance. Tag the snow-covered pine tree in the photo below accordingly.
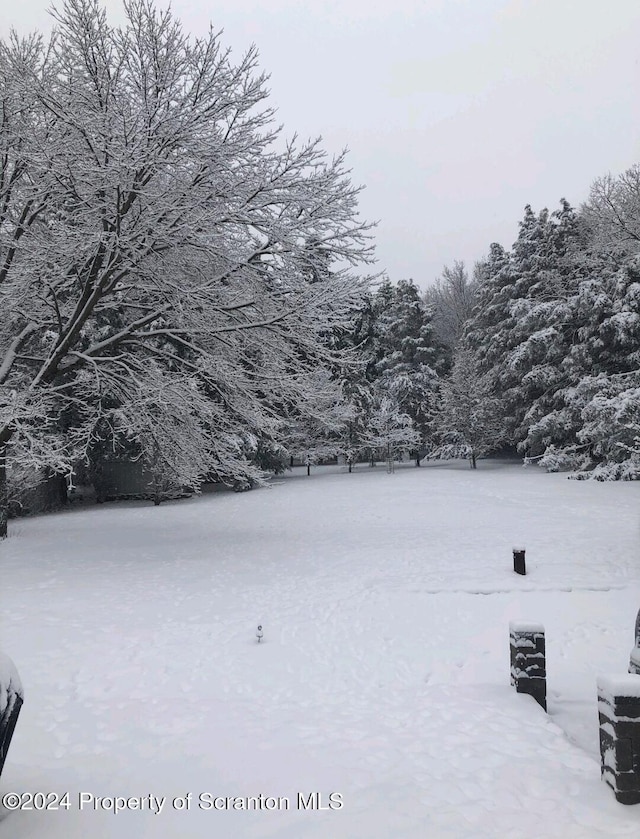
(409, 358)
(521, 328)
(591, 422)
(604, 396)
(484, 330)
(549, 268)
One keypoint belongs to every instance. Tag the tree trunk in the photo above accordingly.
(473, 461)
(5, 436)
(63, 495)
(4, 494)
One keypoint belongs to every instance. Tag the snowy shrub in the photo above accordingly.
(563, 460)
(628, 470)
(452, 450)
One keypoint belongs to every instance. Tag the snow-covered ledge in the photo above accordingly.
(11, 698)
(619, 714)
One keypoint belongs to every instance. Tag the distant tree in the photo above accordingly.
(314, 431)
(453, 297)
(522, 327)
(470, 420)
(355, 439)
(484, 331)
(613, 213)
(409, 358)
(390, 431)
(599, 402)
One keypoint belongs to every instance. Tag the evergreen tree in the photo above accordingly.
(521, 328)
(602, 369)
(409, 358)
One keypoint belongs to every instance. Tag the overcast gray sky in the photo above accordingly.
(457, 113)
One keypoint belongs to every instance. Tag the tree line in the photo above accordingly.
(538, 351)
(555, 333)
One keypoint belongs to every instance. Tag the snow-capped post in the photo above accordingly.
(519, 565)
(634, 658)
(619, 715)
(11, 698)
(528, 660)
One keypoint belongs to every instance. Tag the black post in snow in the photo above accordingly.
(519, 565)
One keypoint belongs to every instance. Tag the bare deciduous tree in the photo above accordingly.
(453, 297)
(154, 258)
(613, 211)
(470, 419)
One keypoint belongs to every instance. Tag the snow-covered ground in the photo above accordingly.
(383, 675)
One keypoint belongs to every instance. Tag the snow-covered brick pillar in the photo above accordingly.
(11, 697)
(528, 662)
(619, 713)
(634, 658)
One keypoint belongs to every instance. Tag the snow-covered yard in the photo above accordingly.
(383, 674)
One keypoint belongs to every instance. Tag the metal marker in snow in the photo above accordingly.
(259, 634)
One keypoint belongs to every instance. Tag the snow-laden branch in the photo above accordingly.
(11, 353)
